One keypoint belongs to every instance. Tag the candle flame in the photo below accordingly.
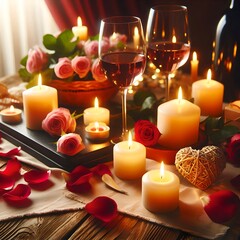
(180, 94)
(11, 109)
(79, 22)
(209, 75)
(96, 125)
(129, 140)
(40, 81)
(162, 170)
(194, 56)
(96, 105)
(174, 39)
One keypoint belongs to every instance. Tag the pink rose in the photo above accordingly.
(233, 150)
(37, 60)
(58, 121)
(146, 133)
(91, 48)
(116, 38)
(97, 71)
(81, 65)
(63, 69)
(70, 144)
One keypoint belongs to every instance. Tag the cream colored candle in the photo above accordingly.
(129, 159)
(208, 95)
(96, 114)
(38, 101)
(178, 122)
(11, 115)
(194, 67)
(80, 31)
(97, 131)
(160, 190)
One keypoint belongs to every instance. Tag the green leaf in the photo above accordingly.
(24, 74)
(49, 41)
(148, 102)
(23, 61)
(214, 123)
(140, 96)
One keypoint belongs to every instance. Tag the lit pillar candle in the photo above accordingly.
(11, 115)
(160, 190)
(178, 121)
(208, 95)
(194, 67)
(96, 114)
(129, 159)
(80, 31)
(38, 101)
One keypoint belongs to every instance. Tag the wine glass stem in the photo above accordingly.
(124, 112)
(167, 86)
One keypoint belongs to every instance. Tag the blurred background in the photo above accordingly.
(24, 22)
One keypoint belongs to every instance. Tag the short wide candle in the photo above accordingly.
(160, 192)
(129, 160)
(178, 122)
(208, 95)
(38, 101)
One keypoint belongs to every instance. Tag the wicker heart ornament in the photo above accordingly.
(200, 167)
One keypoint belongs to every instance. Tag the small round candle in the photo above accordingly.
(129, 159)
(97, 131)
(208, 95)
(11, 115)
(38, 101)
(178, 122)
(80, 31)
(96, 114)
(160, 190)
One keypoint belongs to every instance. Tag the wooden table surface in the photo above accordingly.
(81, 225)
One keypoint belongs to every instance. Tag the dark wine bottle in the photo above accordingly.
(227, 52)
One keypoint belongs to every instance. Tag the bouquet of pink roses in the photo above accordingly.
(65, 58)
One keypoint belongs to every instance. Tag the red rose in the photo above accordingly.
(58, 121)
(233, 150)
(70, 144)
(146, 133)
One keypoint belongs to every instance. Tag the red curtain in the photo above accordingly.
(65, 12)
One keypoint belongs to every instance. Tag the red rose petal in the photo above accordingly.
(11, 153)
(20, 192)
(222, 206)
(12, 168)
(236, 182)
(103, 208)
(36, 176)
(6, 182)
(101, 169)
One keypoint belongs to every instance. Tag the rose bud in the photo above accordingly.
(81, 65)
(70, 144)
(146, 133)
(221, 206)
(233, 150)
(63, 69)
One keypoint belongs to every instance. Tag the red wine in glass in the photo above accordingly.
(122, 67)
(168, 56)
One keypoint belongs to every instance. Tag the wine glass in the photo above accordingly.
(123, 58)
(167, 38)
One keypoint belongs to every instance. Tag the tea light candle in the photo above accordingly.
(80, 31)
(178, 121)
(11, 115)
(194, 67)
(160, 190)
(97, 131)
(38, 101)
(129, 159)
(96, 114)
(208, 95)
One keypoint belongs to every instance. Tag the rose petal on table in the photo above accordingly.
(78, 172)
(80, 185)
(10, 153)
(6, 183)
(20, 192)
(101, 169)
(12, 168)
(109, 181)
(236, 182)
(103, 208)
(221, 206)
(36, 176)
